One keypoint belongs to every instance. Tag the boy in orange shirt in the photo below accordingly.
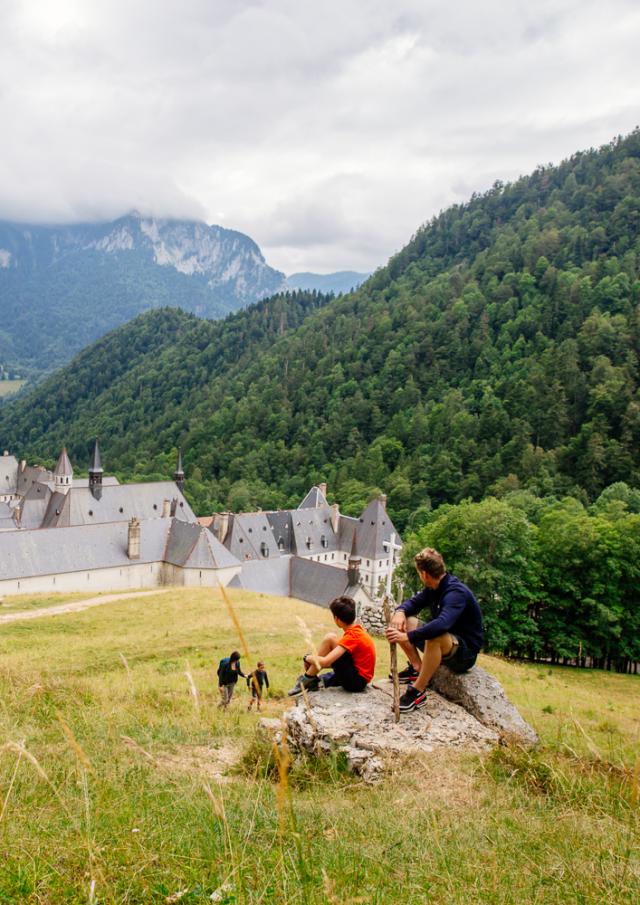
(352, 657)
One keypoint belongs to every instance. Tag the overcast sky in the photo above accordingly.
(327, 130)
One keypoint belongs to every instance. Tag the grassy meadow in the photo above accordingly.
(10, 387)
(122, 782)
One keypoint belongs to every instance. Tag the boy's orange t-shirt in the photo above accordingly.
(361, 647)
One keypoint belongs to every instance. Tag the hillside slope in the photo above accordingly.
(501, 345)
(62, 287)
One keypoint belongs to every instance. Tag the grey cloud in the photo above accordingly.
(328, 132)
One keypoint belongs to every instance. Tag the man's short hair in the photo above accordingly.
(235, 655)
(431, 562)
(344, 608)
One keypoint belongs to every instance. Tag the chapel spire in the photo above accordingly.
(95, 472)
(63, 474)
(178, 475)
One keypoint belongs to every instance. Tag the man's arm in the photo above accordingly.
(266, 679)
(410, 607)
(453, 605)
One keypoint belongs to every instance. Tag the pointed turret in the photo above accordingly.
(63, 474)
(95, 472)
(353, 571)
(178, 475)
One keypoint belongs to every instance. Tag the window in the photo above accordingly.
(308, 543)
(324, 541)
(280, 543)
(264, 549)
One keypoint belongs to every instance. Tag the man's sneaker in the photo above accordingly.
(306, 683)
(412, 699)
(406, 675)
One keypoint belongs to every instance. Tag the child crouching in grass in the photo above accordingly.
(352, 657)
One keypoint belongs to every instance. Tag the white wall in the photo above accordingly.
(134, 576)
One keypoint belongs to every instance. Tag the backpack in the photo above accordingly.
(226, 671)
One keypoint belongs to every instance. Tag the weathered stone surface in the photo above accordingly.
(483, 697)
(363, 727)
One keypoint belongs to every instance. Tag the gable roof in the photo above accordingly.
(375, 527)
(314, 499)
(63, 468)
(83, 548)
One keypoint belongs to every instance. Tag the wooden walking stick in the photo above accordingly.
(391, 547)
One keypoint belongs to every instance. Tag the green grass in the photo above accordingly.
(17, 603)
(117, 785)
(9, 387)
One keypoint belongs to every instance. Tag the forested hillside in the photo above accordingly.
(498, 350)
(63, 287)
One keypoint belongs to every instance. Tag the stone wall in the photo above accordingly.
(370, 615)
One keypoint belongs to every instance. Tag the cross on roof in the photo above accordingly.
(391, 547)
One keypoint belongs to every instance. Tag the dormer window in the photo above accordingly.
(264, 549)
(280, 543)
(308, 543)
(324, 541)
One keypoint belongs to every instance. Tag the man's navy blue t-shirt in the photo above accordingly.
(453, 609)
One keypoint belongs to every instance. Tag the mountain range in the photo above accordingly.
(499, 351)
(62, 287)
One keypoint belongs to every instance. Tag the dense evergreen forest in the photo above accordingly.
(498, 351)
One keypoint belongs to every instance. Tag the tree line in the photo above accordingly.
(556, 580)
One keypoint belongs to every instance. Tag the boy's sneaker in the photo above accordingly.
(412, 699)
(306, 683)
(406, 675)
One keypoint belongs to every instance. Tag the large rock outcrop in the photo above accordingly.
(469, 712)
(483, 697)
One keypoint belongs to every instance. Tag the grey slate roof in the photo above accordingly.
(54, 551)
(312, 531)
(374, 529)
(316, 582)
(124, 501)
(248, 531)
(266, 576)
(314, 499)
(8, 473)
(281, 525)
(192, 546)
(82, 548)
(63, 468)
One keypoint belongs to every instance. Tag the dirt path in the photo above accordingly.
(75, 606)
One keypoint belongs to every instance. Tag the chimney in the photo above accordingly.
(133, 540)
(166, 508)
(323, 490)
(383, 499)
(335, 518)
(221, 526)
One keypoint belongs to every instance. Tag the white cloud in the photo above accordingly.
(328, 132)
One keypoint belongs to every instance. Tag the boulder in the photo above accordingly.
(483, 697)
(468, 712)
(362, 726)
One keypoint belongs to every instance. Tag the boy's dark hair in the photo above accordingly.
(431, 562)
(344, 608)
(235, 655)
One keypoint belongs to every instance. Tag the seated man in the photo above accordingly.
(454, 635)
(351, 657)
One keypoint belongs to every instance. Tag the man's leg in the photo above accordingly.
(411, 651)
(434, 650)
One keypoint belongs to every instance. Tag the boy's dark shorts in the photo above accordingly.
(344, 675)
(461, 659)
